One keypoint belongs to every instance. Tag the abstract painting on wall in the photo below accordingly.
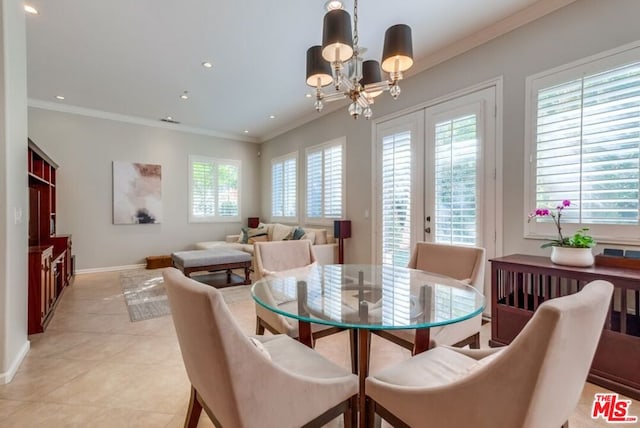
(137, 193)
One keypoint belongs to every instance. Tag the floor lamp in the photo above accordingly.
(341, 230)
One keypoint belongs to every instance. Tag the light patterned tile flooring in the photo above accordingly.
(93, 367)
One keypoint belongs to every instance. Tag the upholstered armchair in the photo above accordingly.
(274, 257)
(462, 263)
(268, 381)
(534, 382)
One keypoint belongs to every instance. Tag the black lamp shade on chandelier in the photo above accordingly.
(371, 74)
(397, 55)
(317, 68)
(337, 39)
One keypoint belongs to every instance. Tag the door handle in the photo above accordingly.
(427, 230)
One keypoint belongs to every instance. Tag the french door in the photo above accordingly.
(436, 177)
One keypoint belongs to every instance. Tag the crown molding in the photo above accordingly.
(99, 114)
(510, 23)
(506, 25)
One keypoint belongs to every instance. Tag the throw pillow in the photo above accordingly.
(260, 347)
(280, 232)
(298, 233)
(311, 236)
(260, 238)
(321, 235)
(252, 233)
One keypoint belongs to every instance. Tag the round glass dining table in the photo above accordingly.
(364, 298)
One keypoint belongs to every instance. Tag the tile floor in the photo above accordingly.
(93, 367)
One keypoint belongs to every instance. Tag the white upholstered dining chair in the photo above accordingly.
(267, 381)
(535, 382)
(459, 262)
(271, 258)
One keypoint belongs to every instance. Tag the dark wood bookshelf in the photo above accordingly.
(50, 260)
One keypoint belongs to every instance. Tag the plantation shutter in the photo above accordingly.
(202, 191)
(284, 187)
(456, 159)
(396, 198)
(333, 182)
(314, 184)
(588, 146)
(325, 199)
(290, 195)
(277, 189)
(213, 189)
(227, 186)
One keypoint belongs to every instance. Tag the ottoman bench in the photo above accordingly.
(213, 260)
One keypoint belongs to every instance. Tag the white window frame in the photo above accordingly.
(282, 160)
(614, 234)
(341, 141)
(214, 218)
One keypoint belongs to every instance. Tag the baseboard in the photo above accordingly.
(109, 269)
(7, 376)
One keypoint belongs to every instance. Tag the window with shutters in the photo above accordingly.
(584, 145)
(214, 189)
(455, 176)
(284, 180)
(395, 182)
(325, 182)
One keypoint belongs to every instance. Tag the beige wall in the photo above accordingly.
(13, 189)
(85, 148)
(578, 30)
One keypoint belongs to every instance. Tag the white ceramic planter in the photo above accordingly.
(567, 256)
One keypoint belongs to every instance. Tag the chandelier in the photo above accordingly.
(339, 61)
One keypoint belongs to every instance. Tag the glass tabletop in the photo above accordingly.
(368, 296)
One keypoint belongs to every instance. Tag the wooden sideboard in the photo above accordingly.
(520, 283)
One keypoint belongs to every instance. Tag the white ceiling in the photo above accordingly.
(136, 57)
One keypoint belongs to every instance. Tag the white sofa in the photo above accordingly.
(325, 247)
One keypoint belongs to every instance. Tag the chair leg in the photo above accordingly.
(475, 344)
(351, 414)
(194, 410)
(259, 327)
(370, 411)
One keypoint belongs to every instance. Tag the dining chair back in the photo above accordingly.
(270, 381)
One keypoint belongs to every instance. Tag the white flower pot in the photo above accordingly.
(568, 256)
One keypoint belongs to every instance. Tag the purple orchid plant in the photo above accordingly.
(579, 240)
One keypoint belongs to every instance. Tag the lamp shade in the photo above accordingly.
(337, 39)
(342, 229)
(371, 74)
(397, 54)
(253, 222)
(318, 70)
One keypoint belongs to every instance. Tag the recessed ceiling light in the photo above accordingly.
(207, 64)
(246, 131)
(333, 5)
(30, 9)
(59, 97)
(272, 117)
(184, 95)
(308, 95)
(169, 118)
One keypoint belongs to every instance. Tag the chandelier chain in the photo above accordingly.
(355, 23)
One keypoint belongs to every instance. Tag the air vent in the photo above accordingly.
(169, 120)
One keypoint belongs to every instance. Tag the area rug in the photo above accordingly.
(146, 297)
